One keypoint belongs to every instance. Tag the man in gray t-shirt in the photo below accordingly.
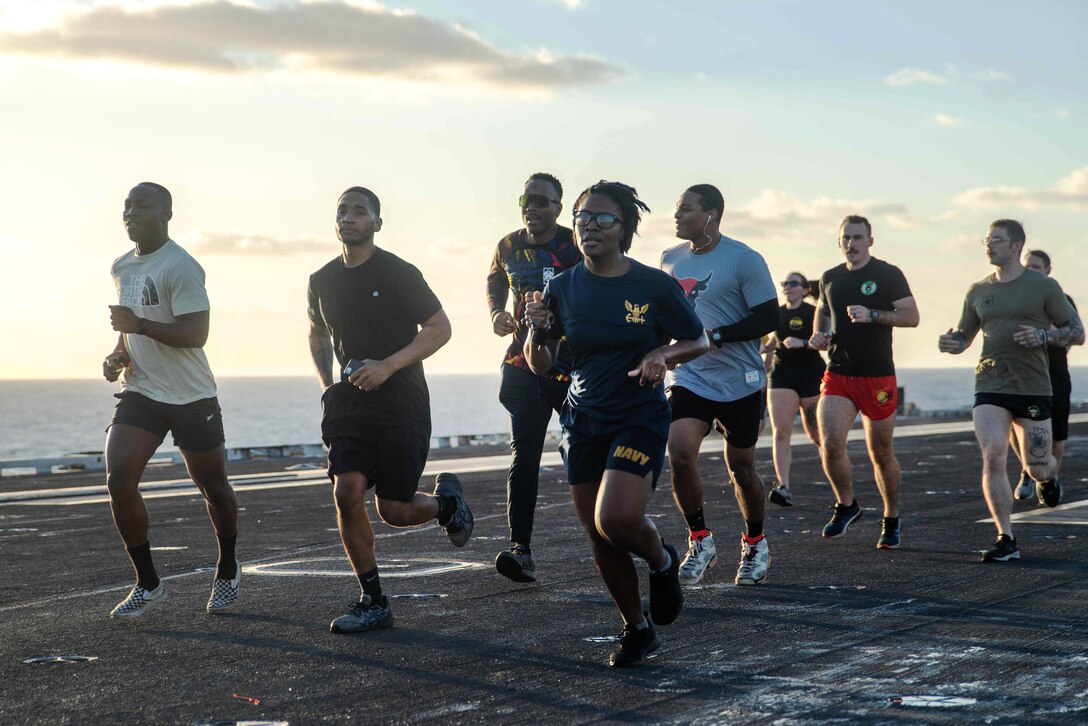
(730, 288)
(1014, 308)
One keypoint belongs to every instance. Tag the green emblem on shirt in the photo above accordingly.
(868, 288)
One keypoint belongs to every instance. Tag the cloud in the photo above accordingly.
(952, 74)
(943, 119)
(776, 212)
(1070, 192)
(911, 77)
(219, 243)
(369, 41)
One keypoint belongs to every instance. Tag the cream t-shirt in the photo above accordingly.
(160, 286)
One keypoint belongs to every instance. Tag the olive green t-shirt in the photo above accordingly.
(998, 309)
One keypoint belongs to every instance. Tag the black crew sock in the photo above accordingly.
(227, 567)
(446, 507)
(753, 528)
(371, 585)
(524, 544)
(695, 520)
(892, 521)
(146, 577)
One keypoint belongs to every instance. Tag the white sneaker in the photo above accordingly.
(700, 557)
(1025, 488)
(754, 561)
(225, 592)
(138, 601)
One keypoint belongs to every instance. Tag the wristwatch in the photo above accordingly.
(145, 326)
(716, 337)
(874, 315)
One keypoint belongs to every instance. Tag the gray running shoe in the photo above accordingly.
(1025, 488)
(517, 564)
(701, 556)
(138, 601)
(781, 496)
(225, 592)
(459, 528)
(843, 517)
(364, 615)
(754, 561)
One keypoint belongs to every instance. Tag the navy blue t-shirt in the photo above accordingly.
(610, 324)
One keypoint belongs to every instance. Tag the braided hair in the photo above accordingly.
(631, 207)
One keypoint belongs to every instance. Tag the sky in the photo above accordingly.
(932, 119)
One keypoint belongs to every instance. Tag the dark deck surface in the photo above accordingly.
(839, 633)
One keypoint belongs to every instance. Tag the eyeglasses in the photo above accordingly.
(991, 241)
(604, 219)
(790, 283)
(535, 200)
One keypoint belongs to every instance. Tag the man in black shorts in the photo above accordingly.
(380, 318)
(861, 301)
(525, 260)
(1018, 311)
(1062, 390)
(166, 385)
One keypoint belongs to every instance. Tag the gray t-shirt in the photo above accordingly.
(998, 309)
(723, 286)
(160, 286)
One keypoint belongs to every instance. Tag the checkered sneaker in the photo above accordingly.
(225, 592)
(138, 601)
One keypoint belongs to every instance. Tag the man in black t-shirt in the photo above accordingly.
(376, 313)
(860, 302)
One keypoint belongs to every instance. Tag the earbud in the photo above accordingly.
(708, 218)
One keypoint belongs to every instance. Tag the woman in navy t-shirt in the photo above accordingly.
(618, 317)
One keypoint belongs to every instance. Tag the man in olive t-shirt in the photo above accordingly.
(1014, 308)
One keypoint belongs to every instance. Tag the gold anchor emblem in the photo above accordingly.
(635, 313)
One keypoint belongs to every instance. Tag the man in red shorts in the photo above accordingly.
(860, 302)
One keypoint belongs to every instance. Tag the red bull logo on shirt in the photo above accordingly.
(693, 286)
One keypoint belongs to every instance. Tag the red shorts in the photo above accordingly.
(877, 398)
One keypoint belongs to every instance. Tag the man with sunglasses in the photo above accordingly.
(525, 260)
(730, 288)
(1019, 312)
(861, 301)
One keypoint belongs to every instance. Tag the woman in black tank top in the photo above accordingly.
(794, 381)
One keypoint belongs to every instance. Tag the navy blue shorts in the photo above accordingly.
(591, 446)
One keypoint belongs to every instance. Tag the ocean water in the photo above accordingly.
(45, 418)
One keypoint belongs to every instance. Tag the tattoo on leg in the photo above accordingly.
(1038, 440)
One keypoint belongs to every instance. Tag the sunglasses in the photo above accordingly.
(790, 283)
(604, 219)
(535, 200)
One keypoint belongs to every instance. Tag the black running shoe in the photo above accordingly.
(459, 528)
(666, 597)
(889, 535)
(843, 517)
(634, 645)
(781, 496)
(1004, 549)
(1049, 492)
(517, 564)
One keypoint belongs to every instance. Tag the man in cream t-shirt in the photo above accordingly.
(166, 385)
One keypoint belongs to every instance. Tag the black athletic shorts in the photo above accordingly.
(197, 426)
(804, 381)
(390, 451)
(1036, 408)
(1059, 413)
(737, 420)
(590, 446)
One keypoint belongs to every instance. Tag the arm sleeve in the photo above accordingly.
(678, 320)
(187, 291)
(763, 320)
(498, 284)
(1057, 305)
(420, 302)
(969, 321)
(557, 330)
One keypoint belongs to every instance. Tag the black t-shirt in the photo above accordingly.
(373, 311)
(610, 324)
(861, 349)
(796, 323)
